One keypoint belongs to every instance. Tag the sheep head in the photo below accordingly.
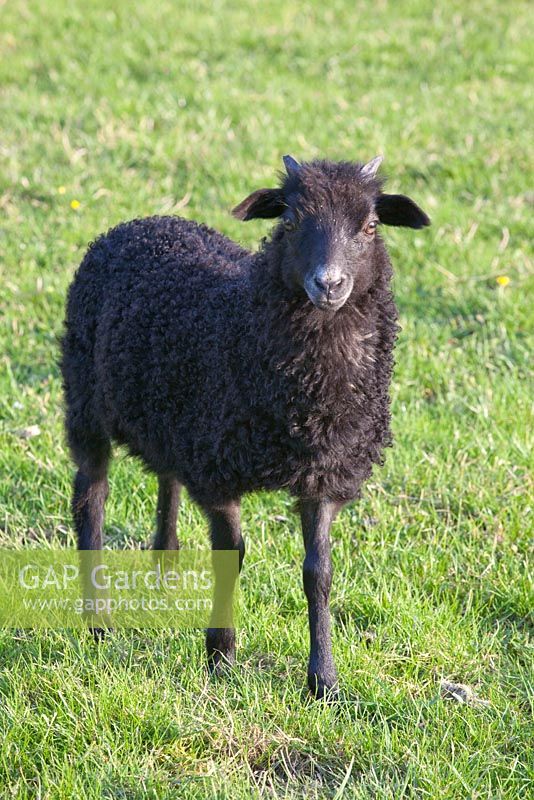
(330, 213)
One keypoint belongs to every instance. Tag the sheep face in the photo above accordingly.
(327, 236)
(329, 252)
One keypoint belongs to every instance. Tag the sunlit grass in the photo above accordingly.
(112, 111)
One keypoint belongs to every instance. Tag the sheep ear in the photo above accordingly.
(399, 210)
(291, 165)
(370, 169)
(261, 204)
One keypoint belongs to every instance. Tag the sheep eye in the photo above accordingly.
(370, 228)
(289, 224)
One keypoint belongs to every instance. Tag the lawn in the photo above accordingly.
(110, 111)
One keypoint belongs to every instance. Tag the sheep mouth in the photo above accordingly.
(325, 303)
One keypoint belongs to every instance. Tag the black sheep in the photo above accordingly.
(229, 371)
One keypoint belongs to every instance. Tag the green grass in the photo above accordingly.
(146, 108)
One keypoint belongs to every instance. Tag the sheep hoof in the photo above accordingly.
(219, 665)
(99, 634)
(220, 646)
(99, 626)
(323, 688)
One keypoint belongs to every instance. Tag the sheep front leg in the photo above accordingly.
(316, 517)
(225, 532)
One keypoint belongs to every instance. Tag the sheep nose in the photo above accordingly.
(331, 286)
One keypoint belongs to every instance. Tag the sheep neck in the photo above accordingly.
(328, 357)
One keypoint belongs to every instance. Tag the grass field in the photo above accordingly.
(111, 111)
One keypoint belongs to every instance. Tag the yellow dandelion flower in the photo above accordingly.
(503, 280)
(61, 189)
(75, 204)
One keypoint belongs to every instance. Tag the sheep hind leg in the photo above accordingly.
(167, 513)
(225, 530)
(90, 490)
(91, 454)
